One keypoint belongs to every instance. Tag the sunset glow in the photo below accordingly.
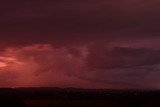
(79, 43)
(2, 64)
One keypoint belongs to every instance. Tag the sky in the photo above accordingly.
(112, 44)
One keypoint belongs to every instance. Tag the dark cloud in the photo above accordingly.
(26, 22)
(121, 57)
(137, 77)
(126, 66)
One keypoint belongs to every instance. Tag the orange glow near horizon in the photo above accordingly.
(40, 65)
(6, 61)
(3, 64)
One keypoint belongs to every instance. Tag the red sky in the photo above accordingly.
(86, 44)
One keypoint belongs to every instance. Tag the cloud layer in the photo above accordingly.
(103, 67)
(77, 22)
(97, 44)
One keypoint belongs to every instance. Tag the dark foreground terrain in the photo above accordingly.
(71, 97)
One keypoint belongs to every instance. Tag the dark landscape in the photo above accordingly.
(80, 53)
(75, 97)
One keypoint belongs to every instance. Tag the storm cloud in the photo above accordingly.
(77, 22)
(116, 67)
(99, 44)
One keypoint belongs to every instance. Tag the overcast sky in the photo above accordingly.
(85, 43)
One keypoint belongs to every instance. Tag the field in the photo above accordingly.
(84, 103)
(71, 97)
(66, 103)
